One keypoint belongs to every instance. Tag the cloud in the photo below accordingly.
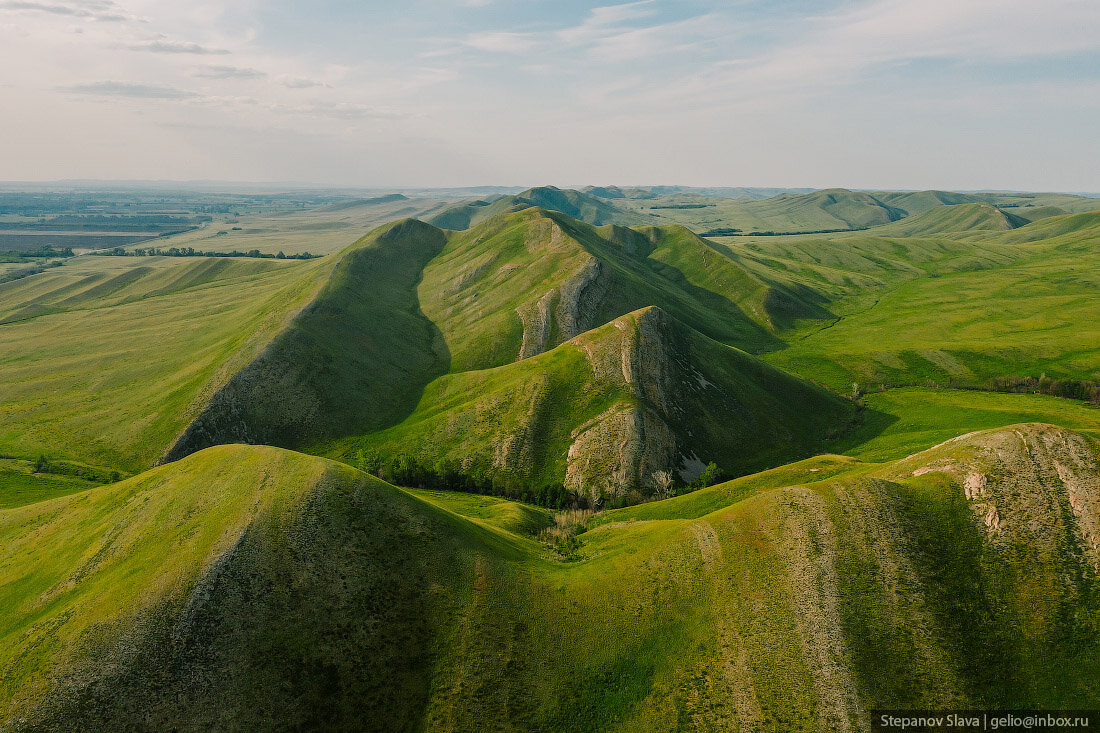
(339, 111)
(299, 82)
(124, 89)
(500, 42)
(177, 47)
(604, 21)
(101, 11)
(229, 72)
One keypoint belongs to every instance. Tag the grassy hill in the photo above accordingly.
(524, 282)
(586, 207)
(606, 411)
(352, 361)
(1023, 308)
(320, 597)
(953, 218)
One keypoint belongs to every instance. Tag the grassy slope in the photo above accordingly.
(353, 361)
(20, 485)
(721, 404)
(1034, 312)
(576, 204)
(118, 360)
(953, 218)
(488, 282)
(884, 588)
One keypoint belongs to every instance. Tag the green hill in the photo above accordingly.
(524, 282)
(605, 412)
(354, 360)
(107, 360)
(586, 207)
(918, 202)
(953, 218)
(252, 588)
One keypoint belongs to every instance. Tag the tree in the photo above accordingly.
(664, 481)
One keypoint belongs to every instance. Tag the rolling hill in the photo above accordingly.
(321, 597)
(953, 218)
(607, 411)
(576, 204)
(904, 530)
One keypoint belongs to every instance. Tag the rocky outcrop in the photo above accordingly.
(626, 448)
(566, 311)
(1034, 486)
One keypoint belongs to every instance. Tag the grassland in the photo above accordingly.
(757, 603)
(107, 364)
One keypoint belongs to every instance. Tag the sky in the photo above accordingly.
(903, 94)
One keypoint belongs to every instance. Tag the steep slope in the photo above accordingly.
(606, 411)
(524, 282)
(252, 588)
(586, 207)
(354, 360)
(953, 218)
(242, 588)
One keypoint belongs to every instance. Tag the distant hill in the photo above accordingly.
(391, 198)
(585, 207)
(954, 218)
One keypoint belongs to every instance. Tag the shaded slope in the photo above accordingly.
(918, 202)
(242, 588)
(606, 411)
(251, 588)
(354, 360)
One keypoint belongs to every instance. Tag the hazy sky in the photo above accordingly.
(867, 93)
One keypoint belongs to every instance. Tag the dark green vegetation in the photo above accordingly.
(903, 408)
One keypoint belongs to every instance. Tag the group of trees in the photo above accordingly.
(40, 253)
(65, 468)
(448, 475)
(192, 252)
(1076, 389)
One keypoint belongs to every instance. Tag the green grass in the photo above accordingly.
(355, 360)
(904, 421)
(523, 418)
(111, 375)
(20, 485)
(322, 597)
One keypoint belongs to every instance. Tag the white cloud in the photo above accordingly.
(501, 42)
(125, 89)
(165, 46)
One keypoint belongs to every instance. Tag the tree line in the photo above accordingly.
(448, 475)
(192, 252)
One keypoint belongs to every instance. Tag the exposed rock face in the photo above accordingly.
(566, 311)
(623, 449)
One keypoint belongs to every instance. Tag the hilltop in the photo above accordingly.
(576, 204)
